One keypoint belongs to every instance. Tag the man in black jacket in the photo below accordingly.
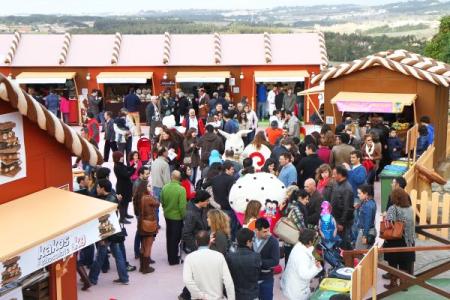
(195, 219)
(267, 246)
(110, 136)
(307, 166)
(245, 266)
(342, 202)
(314, 204)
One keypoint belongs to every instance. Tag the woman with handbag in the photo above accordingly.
(296, 213)
(400, 216)
(145, 208)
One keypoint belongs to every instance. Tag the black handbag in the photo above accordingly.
(120, 236)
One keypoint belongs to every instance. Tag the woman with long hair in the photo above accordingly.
(136, 163)
(169, 140)
(191, 152)
(124, 186)
(219, 223)
(251, 214)
(296, 211)
(145, 209)
(270, 166)
(324, 180)
(260, 139)
(324, 152)
(371, 151)
(186, 173)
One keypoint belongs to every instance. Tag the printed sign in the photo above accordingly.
(12, 148)
(374, 107)
(167, 82)
(58, 248)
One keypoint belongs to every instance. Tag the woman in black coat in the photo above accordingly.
(124, 186)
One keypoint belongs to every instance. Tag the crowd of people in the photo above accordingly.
(329, 178)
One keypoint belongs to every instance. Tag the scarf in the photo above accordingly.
(370, 151)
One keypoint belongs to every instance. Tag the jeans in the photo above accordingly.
(102, 252)
(109, 145)
(346, 236)
(157, 194)
(266, 289)
(261, 109)
(54, 111)
(86, 256)
(101, 119)
(137, 244)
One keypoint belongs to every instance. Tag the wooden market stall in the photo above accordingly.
(44, 223)
(173, 60)
(390, 82)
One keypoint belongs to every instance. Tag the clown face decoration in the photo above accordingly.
(258, 186)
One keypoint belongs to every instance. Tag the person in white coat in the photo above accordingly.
(271, 100)
(301, 268)
(206, 273)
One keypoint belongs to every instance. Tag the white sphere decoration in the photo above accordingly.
(259, 186)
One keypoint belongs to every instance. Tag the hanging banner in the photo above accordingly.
(58, 248)
(370, 107)
(12, 148)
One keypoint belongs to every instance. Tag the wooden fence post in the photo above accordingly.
(434, 211)
(445, 215)
(423, 210)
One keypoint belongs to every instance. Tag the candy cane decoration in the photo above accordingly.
(65, 48)
(11, 92)
(267, 48)
(116, 48)
(217, 48)
(407, 63)
(166, 52)
(13, 48)
(323, 51)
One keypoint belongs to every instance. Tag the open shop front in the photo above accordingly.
(116, 86)
(294, 80)
(39, 85)
(190, 82)
(38, 254)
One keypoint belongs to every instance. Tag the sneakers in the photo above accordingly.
(124, 221)
(118, 281)
(131, 268)
(129, 217)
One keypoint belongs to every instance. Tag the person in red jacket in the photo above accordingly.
(186, 182)
(93, 129)
(191, 121)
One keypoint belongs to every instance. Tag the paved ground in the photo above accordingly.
(166, 281)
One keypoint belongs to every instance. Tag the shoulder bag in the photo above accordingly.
(286, 230)
(391, 230)
(147, 226)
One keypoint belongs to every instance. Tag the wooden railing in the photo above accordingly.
(448, 140)
(432, 210)
(413, 180)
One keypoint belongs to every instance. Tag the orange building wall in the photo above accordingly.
(48, 164)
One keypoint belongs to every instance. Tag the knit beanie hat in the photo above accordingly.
(214, 157)
(201, 196)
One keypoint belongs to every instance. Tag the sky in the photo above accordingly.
(20, 7)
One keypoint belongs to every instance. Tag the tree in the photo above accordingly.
(439, 46)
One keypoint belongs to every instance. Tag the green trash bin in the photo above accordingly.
(386, 177)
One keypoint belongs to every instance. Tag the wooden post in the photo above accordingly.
(80, 121)
(434, 210)
(423, 210)
(445, 214)
(334, 115)
(61, 269)
(375, 273)
(307, 109)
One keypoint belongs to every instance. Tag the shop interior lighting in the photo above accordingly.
(241, 76)
(165, 76)
(88, 76)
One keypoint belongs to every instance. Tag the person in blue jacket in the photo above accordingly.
(425, 120)
(261, 95)
(366, 220)
(395, 145)
(357, 174)
(422, 140)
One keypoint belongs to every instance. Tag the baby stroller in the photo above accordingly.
(144, 147)
(332, 253)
